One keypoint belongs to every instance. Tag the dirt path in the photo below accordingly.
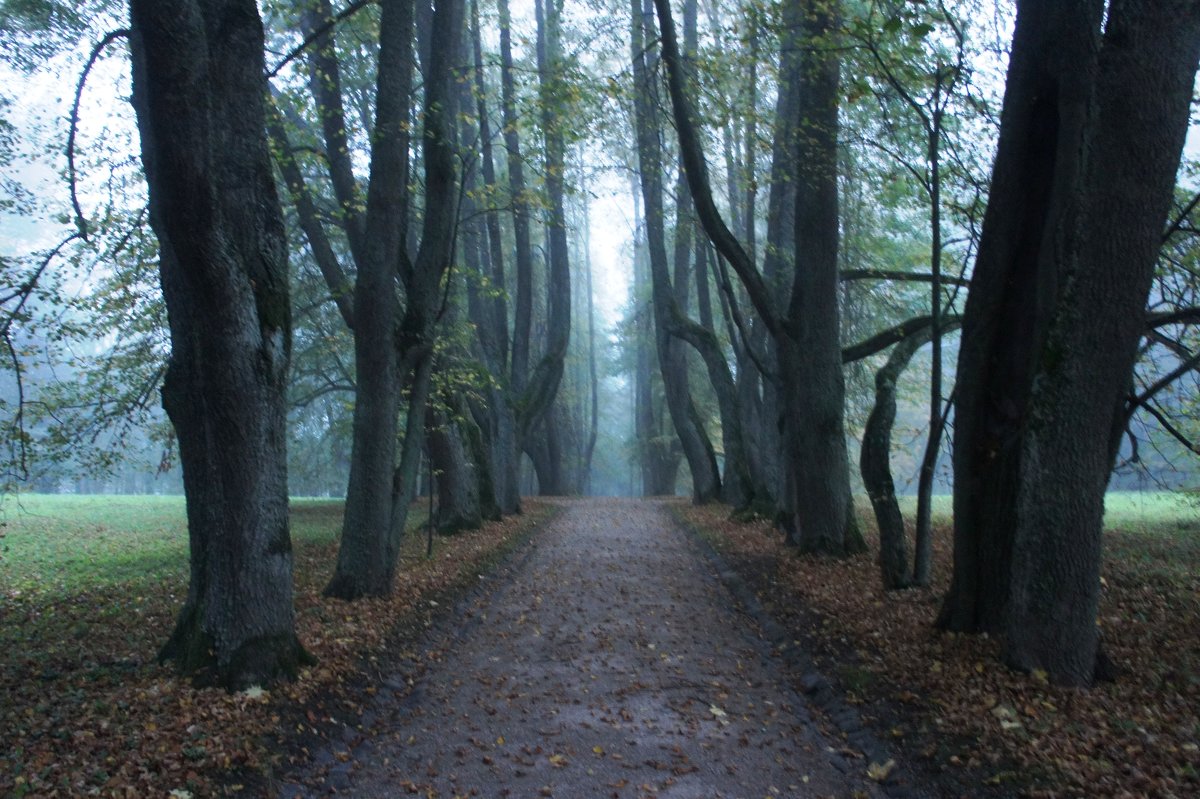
(610, 663)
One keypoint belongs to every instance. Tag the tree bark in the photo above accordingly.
(1091, 133)
(1011, 298)
(538, 394)
(199, 95)
(706, 485)
(1146, 71)
(458, 505)
(817, 481)
(394, 353)
(874, 461)
(368, 550)
(523, 311)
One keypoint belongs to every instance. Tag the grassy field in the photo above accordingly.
(89, 589)
(1158, 531)
(58, 544)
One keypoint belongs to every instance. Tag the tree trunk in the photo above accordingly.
(672, 363)
(367, 553)
(523, 312)
(810, 362)
(817, 480)
(1091, 133)
(454, 474)
(199, 95)
(504, 452)
(1146, 70)
(1012, 292)
(923, 557)
(538, 395)
(402, 350)
(593, 432)
(875, 465)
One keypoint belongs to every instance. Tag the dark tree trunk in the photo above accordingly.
(810, 361)
(875, 460)
(492, 315)
(545, 453)
(368, 551)
(200, 98)
(458, 506)
(1011, 298)
(523, 312)
(538, 395)
(1147, 67)
(875, 465)
(392, 354)
(923, 556)
(1091, 133)
(817, 480)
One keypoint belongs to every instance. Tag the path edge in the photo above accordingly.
(801, 669)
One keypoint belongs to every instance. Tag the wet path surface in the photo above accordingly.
(610, 663)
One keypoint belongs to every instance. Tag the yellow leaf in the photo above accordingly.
(598, 750)
(880, 771)
(558, 761)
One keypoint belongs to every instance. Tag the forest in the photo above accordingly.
(903, 283)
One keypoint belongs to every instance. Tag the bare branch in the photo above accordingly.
(318, 32)
(109, 38)
(888, 274)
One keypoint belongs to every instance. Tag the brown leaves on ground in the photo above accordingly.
(84, 709)
(946, 700)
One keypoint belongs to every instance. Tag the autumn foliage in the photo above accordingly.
(84, 709)
(963, 720)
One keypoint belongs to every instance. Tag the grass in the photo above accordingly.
(57, 545)
(1139, 512)
(89, 589)
(1159, 531)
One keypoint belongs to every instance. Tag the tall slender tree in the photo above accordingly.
(817, 481)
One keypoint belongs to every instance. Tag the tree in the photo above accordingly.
(706, 482)
(393, 340)
(925, 75)
(199, 96)
(817, 482)
(1095, 113)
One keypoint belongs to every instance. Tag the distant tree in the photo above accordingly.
(817, 500)
(199, 93)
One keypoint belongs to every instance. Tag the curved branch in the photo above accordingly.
(1170, 428)
(109, 38)
(1178, 316)
(886, 338)
(696, 170)
(316, 33)
(1164, 381)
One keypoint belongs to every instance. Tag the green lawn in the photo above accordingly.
(56, 544)
(1148, 512)
(1156, 532)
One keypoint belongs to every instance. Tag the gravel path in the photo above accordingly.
(610, 663)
